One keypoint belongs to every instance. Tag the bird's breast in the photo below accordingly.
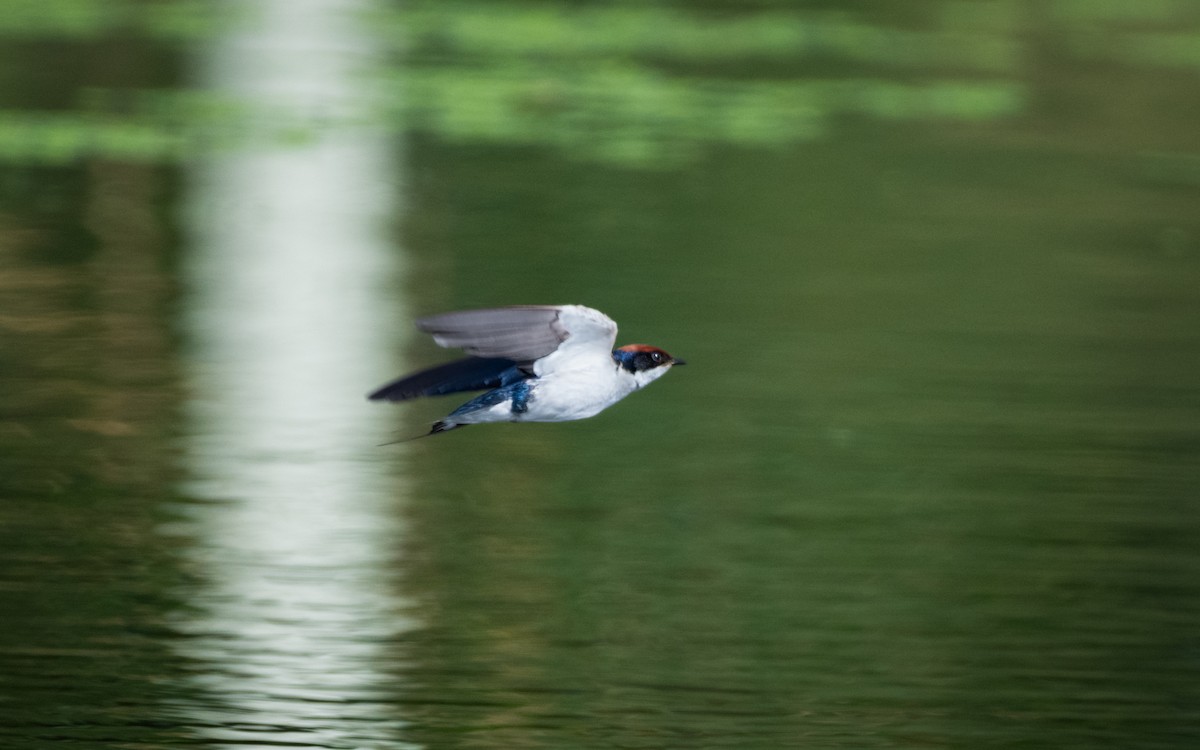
(576, 395)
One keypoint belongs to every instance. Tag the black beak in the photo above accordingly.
(678, 362)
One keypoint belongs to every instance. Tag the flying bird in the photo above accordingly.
(539, 363)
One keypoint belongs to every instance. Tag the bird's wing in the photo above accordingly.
(527, 333)
(470, 374)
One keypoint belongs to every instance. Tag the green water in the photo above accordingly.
(928, 480)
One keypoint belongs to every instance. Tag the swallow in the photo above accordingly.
(537, 363)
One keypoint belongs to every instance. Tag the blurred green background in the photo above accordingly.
(930, 478)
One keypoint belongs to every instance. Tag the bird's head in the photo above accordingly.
(645, 363)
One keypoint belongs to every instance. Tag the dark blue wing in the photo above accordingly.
(470, 374)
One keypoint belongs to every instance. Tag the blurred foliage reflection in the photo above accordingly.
(650, 85)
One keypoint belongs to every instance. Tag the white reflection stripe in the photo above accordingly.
(288, 314)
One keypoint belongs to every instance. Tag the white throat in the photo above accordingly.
(642, 378)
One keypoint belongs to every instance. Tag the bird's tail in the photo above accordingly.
(439, 426)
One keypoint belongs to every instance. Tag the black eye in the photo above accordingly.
(657, 357)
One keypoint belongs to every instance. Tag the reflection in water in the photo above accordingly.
(949, 502)
(288, 283)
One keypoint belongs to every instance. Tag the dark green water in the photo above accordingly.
(930, 478)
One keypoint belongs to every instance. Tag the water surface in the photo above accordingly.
(928, 480)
